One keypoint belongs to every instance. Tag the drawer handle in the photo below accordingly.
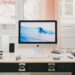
(22, 67)
(51, 67)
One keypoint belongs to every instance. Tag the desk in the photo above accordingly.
(10, 64)
(11, 57)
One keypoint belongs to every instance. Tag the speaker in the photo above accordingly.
(11, 48)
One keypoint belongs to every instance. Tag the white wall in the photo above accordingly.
(67, 29)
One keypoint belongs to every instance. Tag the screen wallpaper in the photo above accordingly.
(37, 32)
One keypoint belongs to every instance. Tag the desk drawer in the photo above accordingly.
(64, 67)
(37, 67)
(8, 67)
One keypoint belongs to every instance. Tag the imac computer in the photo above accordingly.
(37, 32)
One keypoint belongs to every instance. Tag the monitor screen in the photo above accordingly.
(34, 31)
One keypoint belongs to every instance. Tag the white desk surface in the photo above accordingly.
(11, 57)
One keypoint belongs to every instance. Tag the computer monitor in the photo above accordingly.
(37, 32)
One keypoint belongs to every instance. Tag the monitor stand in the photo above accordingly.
(38, 52)
(38, 49)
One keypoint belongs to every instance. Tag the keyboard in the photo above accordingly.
(37, 55)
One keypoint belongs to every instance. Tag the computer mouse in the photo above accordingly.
(56, 58)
